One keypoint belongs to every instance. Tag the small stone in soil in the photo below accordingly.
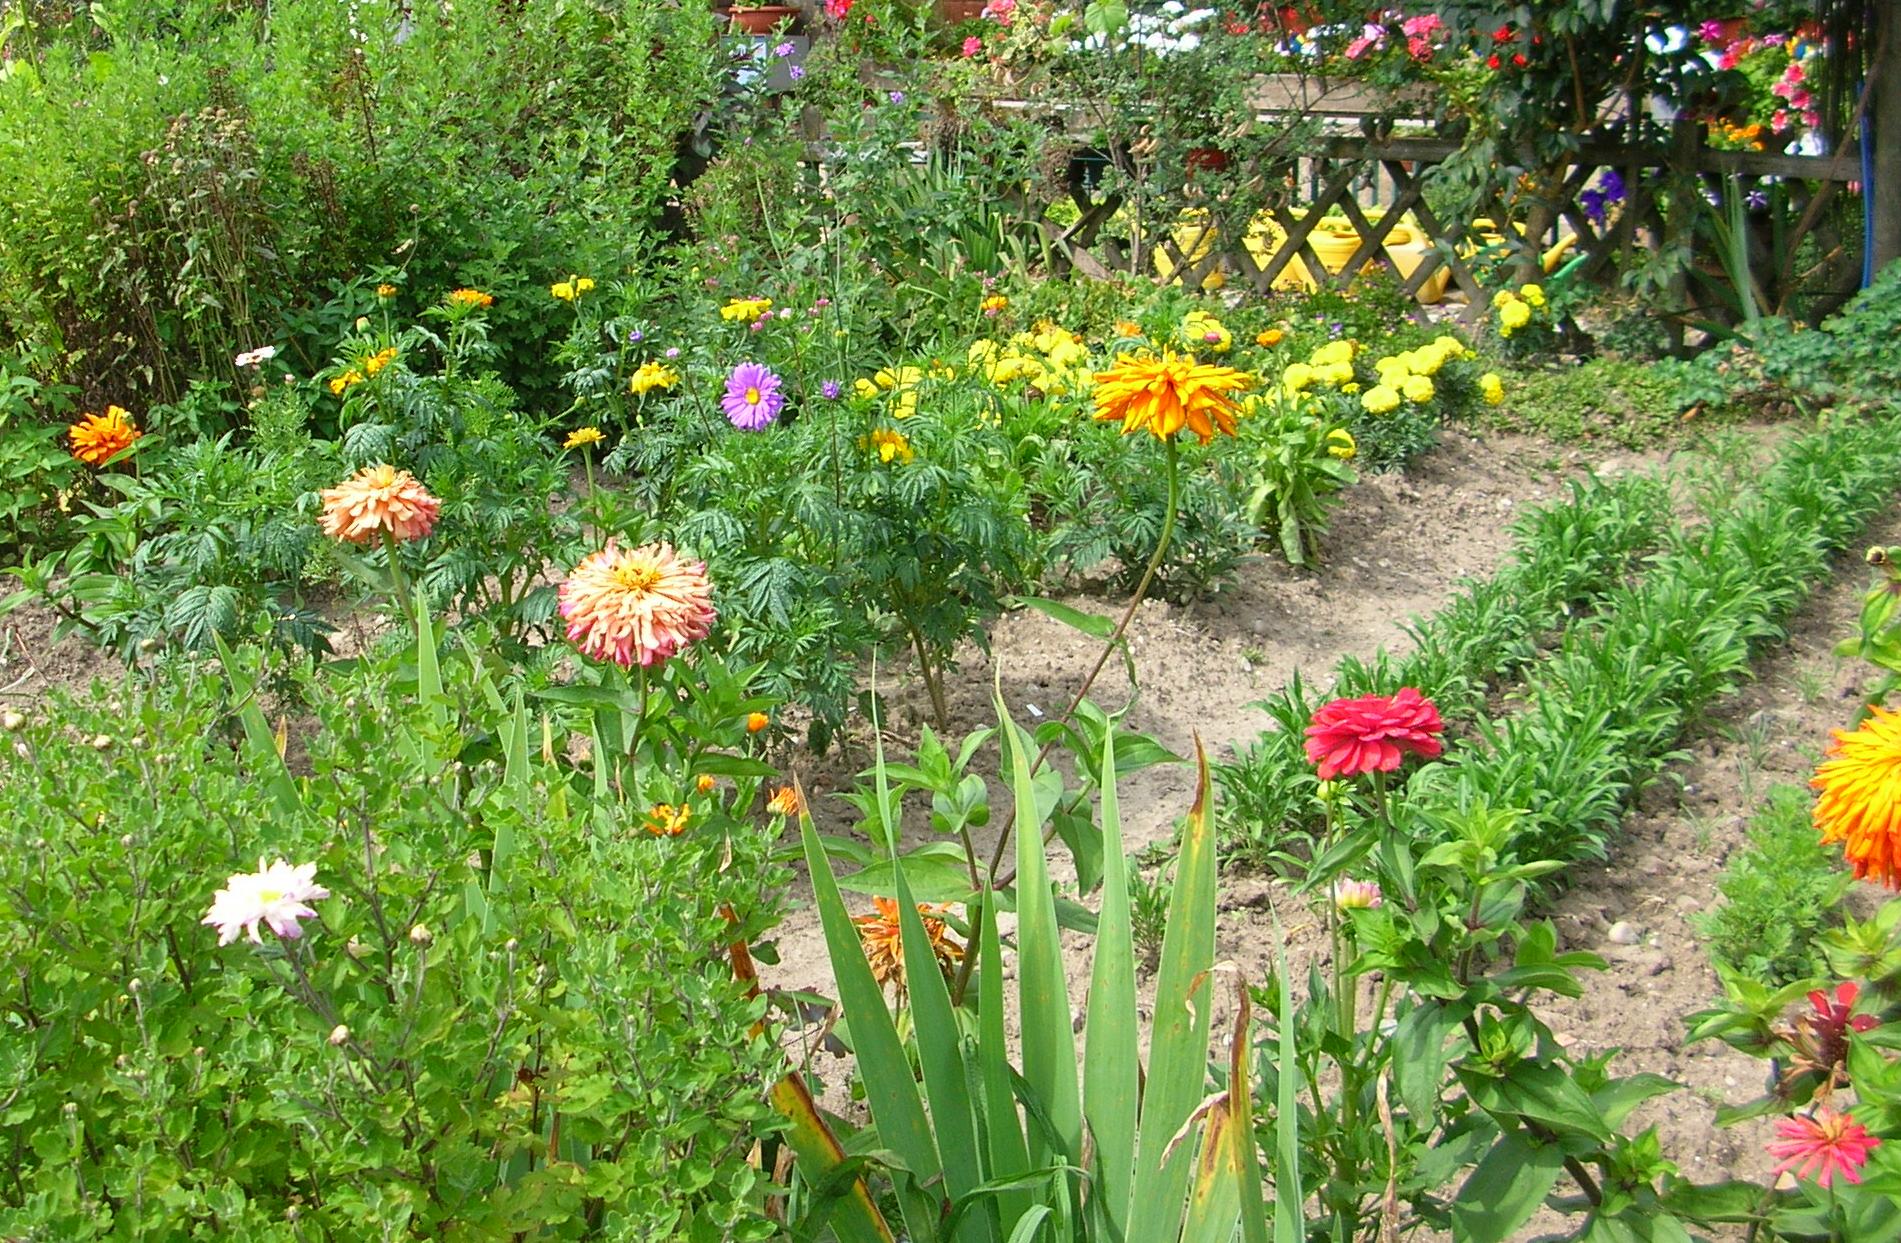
(1623, 932)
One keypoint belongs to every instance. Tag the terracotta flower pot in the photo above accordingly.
(763, 19)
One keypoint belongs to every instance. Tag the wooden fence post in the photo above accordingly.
(1884, 111)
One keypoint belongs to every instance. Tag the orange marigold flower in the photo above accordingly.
(1860, 801)
(666, 820)
(786, 801)
(97, 437)
(1165, 394)
(756, 721)
(386, 290)
(470, 297)
(379, 360)
(878, 934)
(705, 783)
(377, 499)
(637, 606)
(1269, 337)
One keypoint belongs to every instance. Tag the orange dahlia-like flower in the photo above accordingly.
(378, 499)
(786, 801)
(1860, 802)
(878, 932)
(1169, 393)
(637, 606)
(470, 298)
(97, 437)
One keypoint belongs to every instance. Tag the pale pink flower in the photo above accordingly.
(1360, 895)
(638, 606)
(278, 895)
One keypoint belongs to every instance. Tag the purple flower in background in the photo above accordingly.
(896, 97)
(831, 389)
(673, 351)
(796, 72)
(635, 335)
(1756, 199)
(783, 50)
(752, 399)
(1592, 202)
(1612, 183)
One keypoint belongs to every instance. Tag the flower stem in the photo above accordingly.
(399, 584)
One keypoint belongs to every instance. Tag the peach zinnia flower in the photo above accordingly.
(377, 499)
(636, 607)
(879, 934)
(1860, 802)
(97, 437)
(1823, 1146)
(1169, 393)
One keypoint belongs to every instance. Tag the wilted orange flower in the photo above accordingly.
(756, 721)
(1164, 395)
(469, 297)
(377, 499)
(878, 933)
(96, 437)
(1128, 328)
(636, 606)
(666, 820)
(786, 801)
(1860, 802)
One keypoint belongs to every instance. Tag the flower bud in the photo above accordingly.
(11, 721)
(420, 935)
(339, 1035)
(101, 742)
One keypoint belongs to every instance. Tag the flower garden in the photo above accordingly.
(978, 622)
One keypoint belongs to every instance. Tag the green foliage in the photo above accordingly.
(1779, 896)
(1297, 466)
(1633, 405)
(511, 1015)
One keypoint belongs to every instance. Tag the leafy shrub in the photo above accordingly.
(512, 1013)
(1779, 896)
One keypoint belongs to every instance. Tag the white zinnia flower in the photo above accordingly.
(276, 895)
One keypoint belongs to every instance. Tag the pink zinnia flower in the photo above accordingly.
(277, 895)
(637, 607)
(1823, 1146)
(972, 45)
(1373, 733)
(378, 499)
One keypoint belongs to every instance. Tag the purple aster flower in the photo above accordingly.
(783, 50)
(673, 351)
(1592, 202)
(1756, 199)
(752, 399)
(635, 335)
(1612, 183)
(796, 72)
(831, 389)
(896, 97)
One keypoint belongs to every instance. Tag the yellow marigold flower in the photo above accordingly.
(1268, 338)
(1128, 328)
(1334, 353)
(1491, 388)
(1297, 378)
(666, 820)
(1514, 315)
(96, 437)
(1860, 800)
(1340, 444)
(1534, 294)
(756, 721)
(899, 377)
(650, 376)
(745, 309)
(1380, 399)
(470, 298)
(906, 404)
(386, 290)
(1166, 394)
(993, 304)
(1201, 330)
(1504, 297)
(1350, 387)
(375, 500)
(348, 380)
(572, 288)
(1335, 374)
(636, 606)
(890, 446)
(583, 436)
(862, 387)
(1417, 389)
(982, 350)
(786, 802)
(379, 360)
(879, 934)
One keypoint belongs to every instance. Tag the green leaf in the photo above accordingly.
(1094, 625)
(1505, 1189)
(1111, 1044)
(1419, 1058)
(1289, 1213)
(1003, 1134)
(259, 742)
(935, 872)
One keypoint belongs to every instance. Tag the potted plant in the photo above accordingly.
(764, 19)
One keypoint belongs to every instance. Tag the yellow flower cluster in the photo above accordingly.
(339, 385)
(1515, 309)
(902, 381)
(1330, 366)
(1491, 388)
(379, 360)
(473, 298)
(650, 376)
(572, 288)
(890, 446)
(1408, 375)
(1202, 331)
(745, 309)
(1052, 360)
(386, 290)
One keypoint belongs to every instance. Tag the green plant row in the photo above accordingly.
(1604, 712)
(1566, 557)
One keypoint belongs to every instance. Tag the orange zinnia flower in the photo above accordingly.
(1169, 393)
(98, 436)
(378, 499)
(878, 932)
(756, 721)
(637, 606)
(1860, 802)
(786, 801)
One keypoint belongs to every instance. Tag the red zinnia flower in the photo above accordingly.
(1373, 733)
(1823, 1146)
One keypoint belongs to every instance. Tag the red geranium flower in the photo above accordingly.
(1373, 733)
